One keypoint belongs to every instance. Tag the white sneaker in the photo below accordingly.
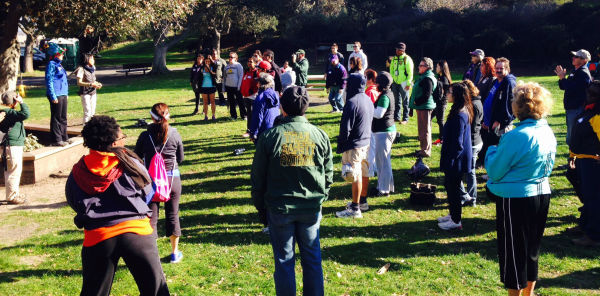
(444, 219)
(449, 225)
(265, 230)
(349, 213)
(362, 206)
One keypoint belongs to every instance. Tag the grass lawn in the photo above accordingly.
(226, 253)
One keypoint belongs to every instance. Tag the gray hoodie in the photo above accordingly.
(233, 75)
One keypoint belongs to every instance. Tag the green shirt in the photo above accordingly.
(14, 119)
(301, 69)
(292, 169)
(384, 102)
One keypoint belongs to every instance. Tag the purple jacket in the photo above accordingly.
(264, 111)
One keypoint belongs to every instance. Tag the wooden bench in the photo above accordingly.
(139, 67)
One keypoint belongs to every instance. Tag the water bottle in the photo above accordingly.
(238, 151)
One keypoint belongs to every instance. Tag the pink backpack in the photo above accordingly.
(158, 174)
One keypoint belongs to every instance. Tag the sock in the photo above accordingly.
(363, 199)
(354, 206)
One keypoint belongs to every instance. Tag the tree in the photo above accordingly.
(10, 13)
(30, 29)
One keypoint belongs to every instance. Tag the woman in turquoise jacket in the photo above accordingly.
(518, 170)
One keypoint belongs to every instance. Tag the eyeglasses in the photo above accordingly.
(123, 137)
(425, 66)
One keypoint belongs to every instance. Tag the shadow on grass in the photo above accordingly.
(582, 279)
(15, 276)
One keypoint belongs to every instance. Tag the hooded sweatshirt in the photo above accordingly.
(502, 102)
(357, 117)
(105, 198)
(264, 111)
(56, 80)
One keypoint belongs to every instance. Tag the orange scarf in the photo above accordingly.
(100, 163)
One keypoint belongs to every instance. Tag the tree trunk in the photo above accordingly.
(159, 63)
(28, 54)
(217, 41)
(9, 47)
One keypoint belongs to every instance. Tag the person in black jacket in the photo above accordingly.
(196, 79)
(439, 96)
(485, 84)
(109, 190)
(269, 56)
(470, 196)
(163, 139)
(474, 71)
(455, 160)
(574, 86)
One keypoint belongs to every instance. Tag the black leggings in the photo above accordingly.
(248, 104)
(438, 113)
(172, 225)
(197, 93)
(140, 255)
(452, 182)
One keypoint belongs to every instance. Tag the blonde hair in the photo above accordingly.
(531, 100)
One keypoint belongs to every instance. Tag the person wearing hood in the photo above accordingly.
(474, 71)
(353, 142)
(57, 91)
(109, 189)
(336, 83)
(265, 108)
(422, 101)
(384, 131)
(359, 54)
(497, 108)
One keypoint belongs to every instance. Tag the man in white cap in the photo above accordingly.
(575, 86)
(474, 71)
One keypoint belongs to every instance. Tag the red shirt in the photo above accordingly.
(249, 83)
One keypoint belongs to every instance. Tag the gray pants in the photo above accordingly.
(401, 102)
(383, 159)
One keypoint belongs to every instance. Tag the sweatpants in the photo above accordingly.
(14, 168)
(58, 119)
(234, 96)
(172, 223)
(383, 158)
(99, 263)
(520, 224)
(89, 106)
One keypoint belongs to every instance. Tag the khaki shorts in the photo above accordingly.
(357, 158)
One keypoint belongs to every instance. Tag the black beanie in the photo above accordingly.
(294, 101)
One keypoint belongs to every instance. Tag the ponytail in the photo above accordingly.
(159, 130)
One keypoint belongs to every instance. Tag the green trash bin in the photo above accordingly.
(70, 60)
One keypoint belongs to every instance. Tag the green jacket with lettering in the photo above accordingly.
(292, 169)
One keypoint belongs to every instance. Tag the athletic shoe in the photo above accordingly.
(444, 219)
(213, 118)
(195, 112)
(265, 230)
(19, 199)
(468, 202)
(176, 257)
(450, 225)
(381, 194)
(404, 122)
(333, 111)
(349, 213)
(60, 144)
(205, 117)
(362, 206)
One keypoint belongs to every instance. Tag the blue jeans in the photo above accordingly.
(335, 98)
(471, 178)
(285, 230)
(571, 116)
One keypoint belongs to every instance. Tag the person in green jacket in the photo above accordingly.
(422, 101)
(292, 172)
(401, 69)
(13, 141)
(300, 66)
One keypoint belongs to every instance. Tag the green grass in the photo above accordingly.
(226, 254)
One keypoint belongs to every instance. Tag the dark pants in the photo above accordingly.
(489, 138)
(220, 92)
(452, 182)
(438, 113)
(587, 171)
(234, 96)
(140, 254)
(197, 94)
(520, 224)
(172, 225)
(248, 104)
(58, 120)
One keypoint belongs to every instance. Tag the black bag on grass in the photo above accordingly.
(422, 194)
